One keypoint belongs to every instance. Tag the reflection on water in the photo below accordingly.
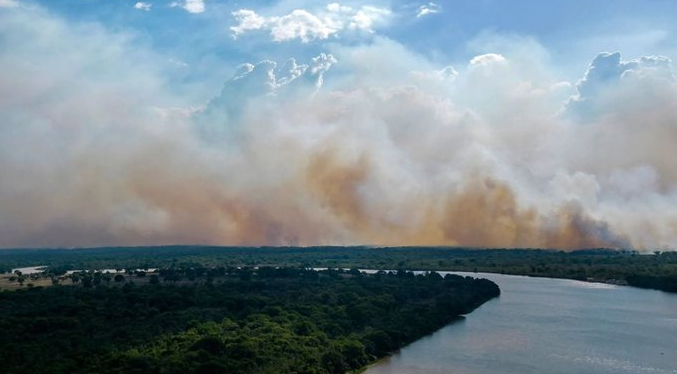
(30, 270)
(551, 326)
(40, 269)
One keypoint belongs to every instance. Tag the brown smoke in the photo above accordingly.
(95, 156)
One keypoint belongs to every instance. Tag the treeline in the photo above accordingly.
(666, 283)
(265, 320)
(593, 264)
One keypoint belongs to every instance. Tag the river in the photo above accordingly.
(30, 269)
(551, 326)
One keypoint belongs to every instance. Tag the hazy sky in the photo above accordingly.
(511, 123)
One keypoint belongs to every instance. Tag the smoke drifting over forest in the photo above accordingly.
(367, 144)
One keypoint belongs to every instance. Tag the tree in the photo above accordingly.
(87, 281)
(211, 368)
(286, 321)
(119, 278)
(334, 362)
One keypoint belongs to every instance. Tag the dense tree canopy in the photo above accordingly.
(652, 270)
(228, 320)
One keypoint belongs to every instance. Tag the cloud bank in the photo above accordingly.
(386, 149)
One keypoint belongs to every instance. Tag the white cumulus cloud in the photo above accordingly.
(487, 59)
(427, 9)
(309, 26)
(610, 80)
(268, 79)
(143, 6)
(191, 6)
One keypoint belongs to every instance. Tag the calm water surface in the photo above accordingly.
(551, 326)
(30, 269)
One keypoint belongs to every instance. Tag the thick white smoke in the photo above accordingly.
(370, 144)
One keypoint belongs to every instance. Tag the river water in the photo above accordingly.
(30, 269)
(551, 326)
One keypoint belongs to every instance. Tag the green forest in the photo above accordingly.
(656, 270)
(227, 320)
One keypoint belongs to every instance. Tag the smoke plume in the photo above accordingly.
(368, 144)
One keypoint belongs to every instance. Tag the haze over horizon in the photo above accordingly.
(463, 123)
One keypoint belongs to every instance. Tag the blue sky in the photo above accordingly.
(571, 32)
(512, 123)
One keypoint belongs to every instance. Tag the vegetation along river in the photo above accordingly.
(551, 326)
